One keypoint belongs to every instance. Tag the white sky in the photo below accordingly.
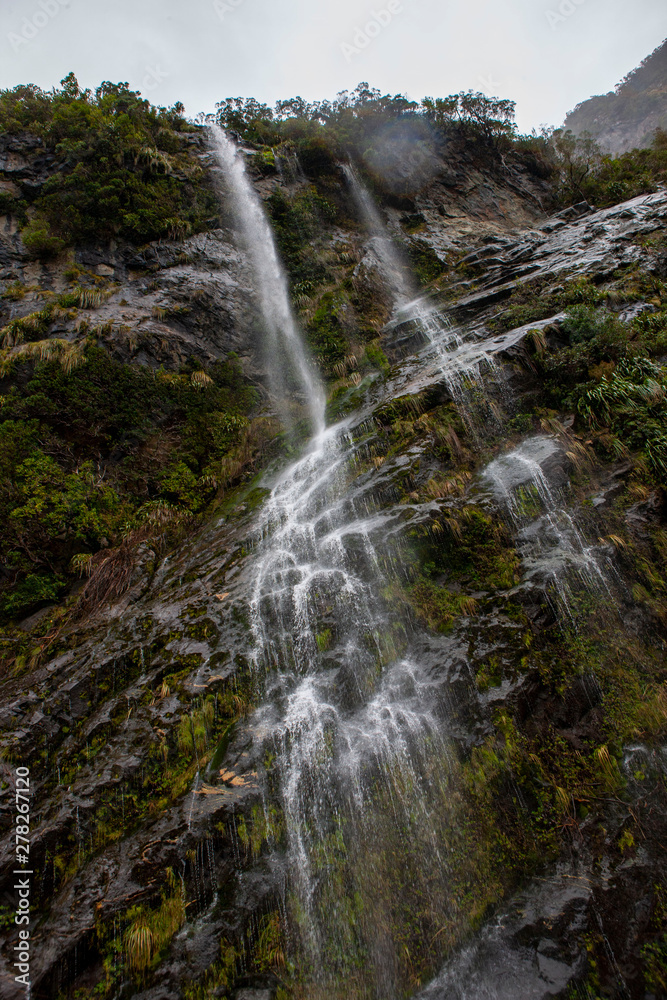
(190, 51)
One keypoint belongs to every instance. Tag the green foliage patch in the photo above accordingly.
(350, 121)
(123, 168)
(86, 455)
(297, 222)
(586, 174)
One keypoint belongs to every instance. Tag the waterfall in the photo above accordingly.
(552, 546)
(287, 357)
(354, 712)
(457, 359)
(392, 265)
(354, 722)
(553, 549)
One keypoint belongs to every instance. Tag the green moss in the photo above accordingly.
(374, 357)
(468, 545)
(325, 334)
(424, 261)
(536, 300)
(323, 640)
(264, 162)
(264, 827)
(437, 606)
(219, 976)
(297, 222)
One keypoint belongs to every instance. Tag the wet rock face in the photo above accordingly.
(460, 203)
(130, 873)
(530, 952)
(24, 158)
(168, 303)
(595, 244)
(121, 685)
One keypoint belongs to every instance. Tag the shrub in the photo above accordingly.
(34, 590)
(425, 261)
(586, 174)
(40, 242)
(92, 452)
(583, 323)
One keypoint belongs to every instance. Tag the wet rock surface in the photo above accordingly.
(195, 303)
(540, 945)
(188, 616)
(530, 952)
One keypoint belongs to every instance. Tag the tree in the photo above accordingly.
(489, 118)
(247, 117)
(577, 157)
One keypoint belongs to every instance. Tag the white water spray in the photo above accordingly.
(284, 343)
(393, 267)
(552, 546)
(456, 358)
(352, 720)
(345, 712)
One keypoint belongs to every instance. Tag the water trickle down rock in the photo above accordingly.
(553, 549)
(453, 356)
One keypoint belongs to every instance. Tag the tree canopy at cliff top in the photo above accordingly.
(352, 116)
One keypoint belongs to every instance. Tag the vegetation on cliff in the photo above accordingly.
(102, 461)
(354, 118)
(115, 166)
(586, 174)
(90, 455)
(629, 115)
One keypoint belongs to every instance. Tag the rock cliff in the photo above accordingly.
(499, 499)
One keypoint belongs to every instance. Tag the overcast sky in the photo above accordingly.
(547, 55)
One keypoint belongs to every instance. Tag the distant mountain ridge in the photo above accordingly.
(627, 117)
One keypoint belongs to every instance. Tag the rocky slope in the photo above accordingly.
(155, 816)
(628, 117)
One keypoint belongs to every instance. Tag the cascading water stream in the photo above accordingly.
(394, 268)
(553, 548)
(287, 357)
(355, 725)
(362, 780)
(459, 361)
